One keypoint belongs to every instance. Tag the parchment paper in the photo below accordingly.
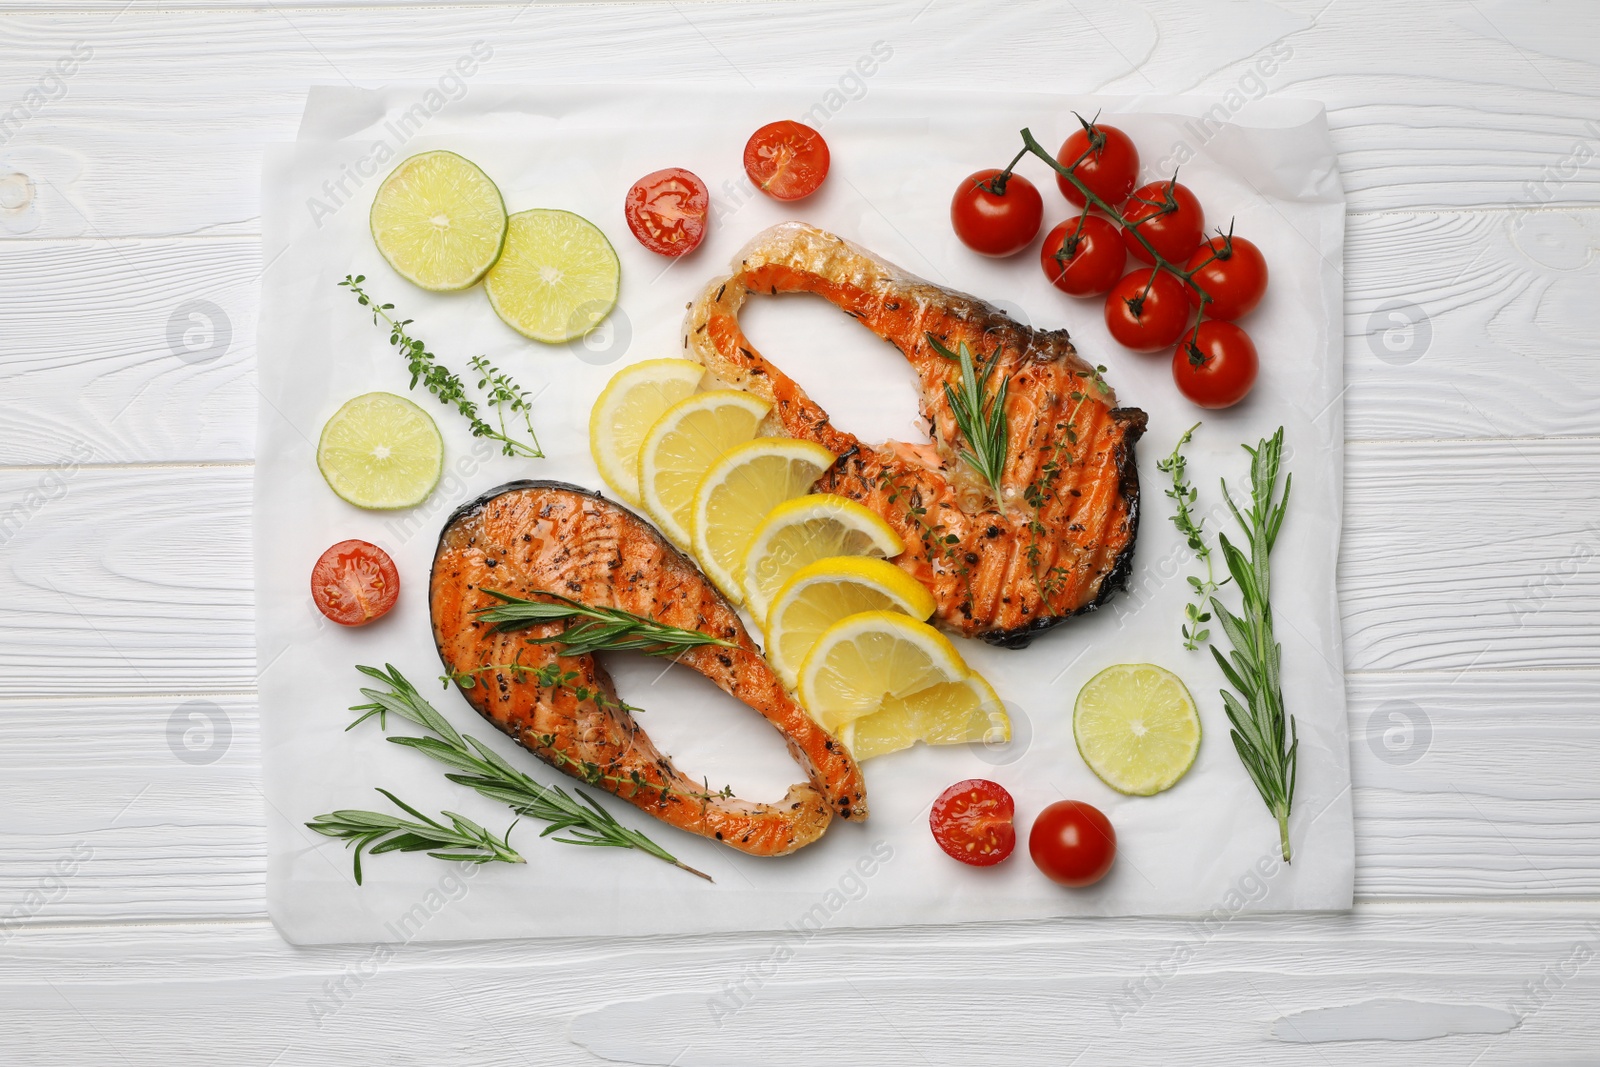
(1206, 847)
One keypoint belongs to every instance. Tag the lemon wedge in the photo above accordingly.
(629, 405)
(682, 445)
(381, 451)
(737, 492)
(822, 593)
(439, 221)
(557, 278)
(802, 531)
(1137, 728)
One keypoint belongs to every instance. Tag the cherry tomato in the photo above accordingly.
(1083, 260)
(994, 223)
(787, 160)
(1073, 843)
(666, 211)
(1147, 310)
(1109, 170)
(354, 583)
(1170, 218)
(972, 822)
(1235, 279)
(1215, 364)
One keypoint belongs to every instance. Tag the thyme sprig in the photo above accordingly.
(581, 820)
(376, 833)
(1263, 733)
(1184, 496)
(503, 394)
(601, 629)
(980, 416)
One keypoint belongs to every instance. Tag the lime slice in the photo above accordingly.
(557, 278)
(439, 221)
(381, 451)
(1137, 728)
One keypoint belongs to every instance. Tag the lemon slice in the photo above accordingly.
(865, 660)
(802, 531)
(381, 451)
(682, 445)
(822, 593)
(439, 221)
(632, 401)
(951, 713)
(557, 278)
(1137, 728)
(739, 490)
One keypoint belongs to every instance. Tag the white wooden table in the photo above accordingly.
(132, 926)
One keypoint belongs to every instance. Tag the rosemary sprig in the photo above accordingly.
(602, 629)
(980, 417)
(481, 769)
(450, 389)
(1263, 733)
(377, 833)
(1184, 496)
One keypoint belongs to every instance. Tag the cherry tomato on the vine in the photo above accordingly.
(354, 582)
(1233, 273)
(1109, 170)
(972, 822)
(1215, 364)
(996, 217)
(1073, 843)
(1083, 256)
(1169, 216)
(666, 211)
(1147, 310)
(787, 160)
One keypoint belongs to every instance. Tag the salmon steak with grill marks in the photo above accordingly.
(1056, 539)
(531, 538)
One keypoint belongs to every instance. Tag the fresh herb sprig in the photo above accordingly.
(1192, 526)
(1263, 733)
(503, 394)
(582, 820)
(980, 416)
(600, 629)
(375, 833)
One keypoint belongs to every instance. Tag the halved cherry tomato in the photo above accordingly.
(1170, 218)
(972, 822)
(996, 218)
(1215, 364)
(1147, 310)
(666, 211)
(787, 160)
(1084, 256)
(1073, 843)
(1109, 170)
(1235, 279)
(354, 582)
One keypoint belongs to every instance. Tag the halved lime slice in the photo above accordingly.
(557, 278)
(381, 451)
(439, 221)
(1137, 728)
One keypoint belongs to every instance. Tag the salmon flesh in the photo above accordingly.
(1057, 539)
(528, 538)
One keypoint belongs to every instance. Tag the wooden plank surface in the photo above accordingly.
(128, 755)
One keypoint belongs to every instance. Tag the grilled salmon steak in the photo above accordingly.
(528, 538)
(1059, 538)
